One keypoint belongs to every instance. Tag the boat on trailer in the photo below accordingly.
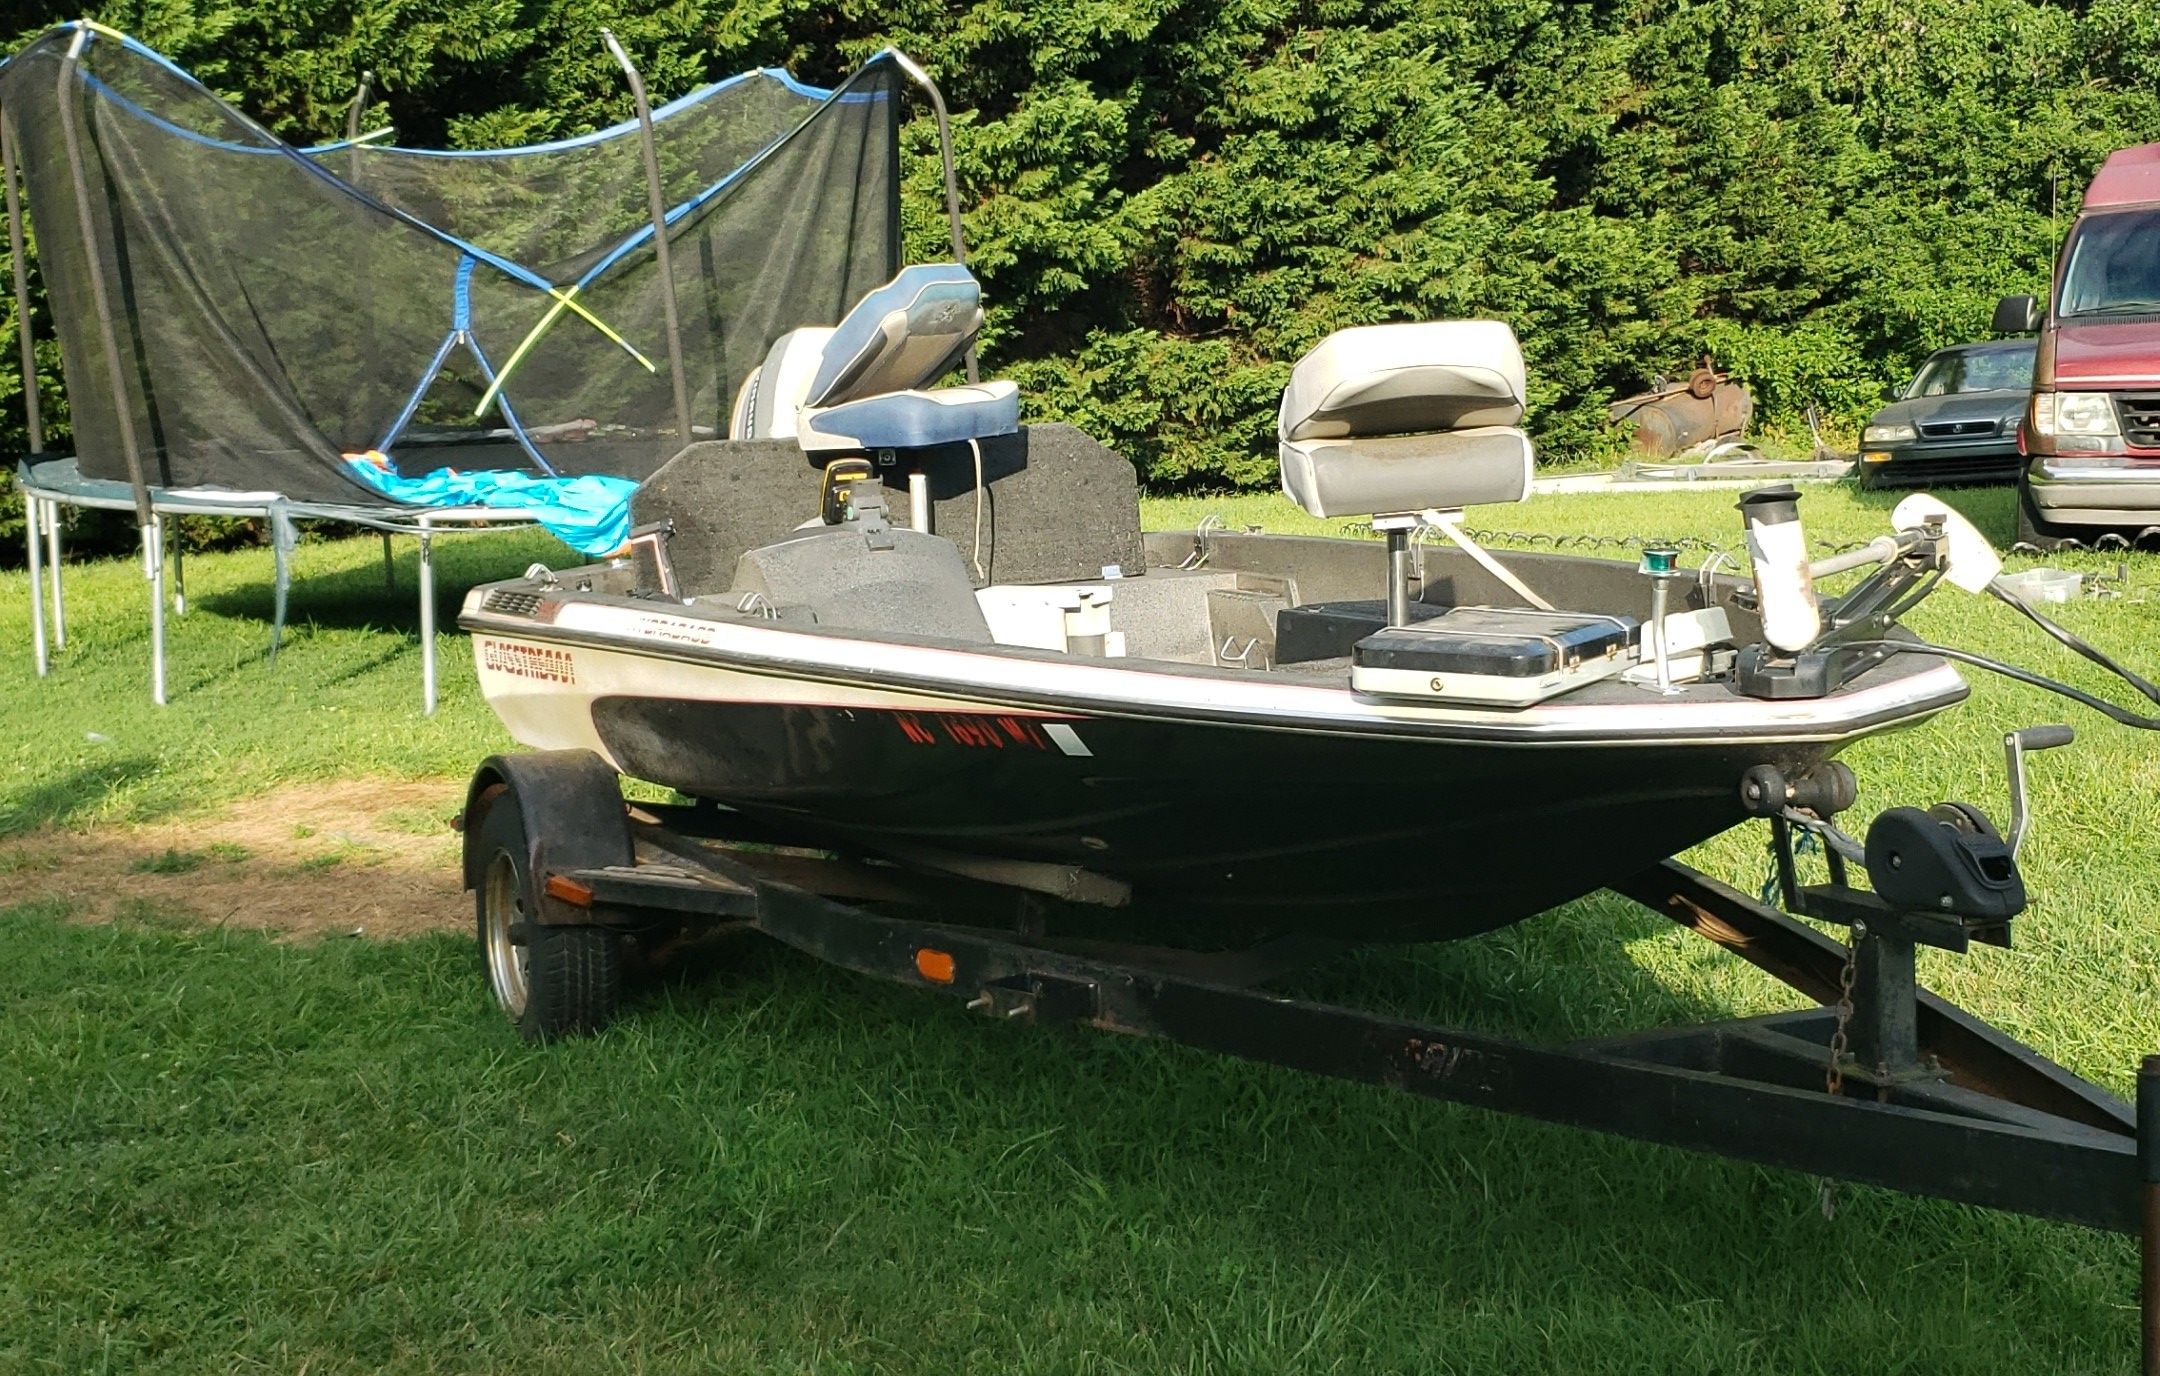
(1334, 735)
(938, 712)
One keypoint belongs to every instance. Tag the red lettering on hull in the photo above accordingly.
(970, 731)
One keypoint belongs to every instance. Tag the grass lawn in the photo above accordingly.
(222, 1150)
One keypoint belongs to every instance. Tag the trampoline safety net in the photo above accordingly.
(276, 310)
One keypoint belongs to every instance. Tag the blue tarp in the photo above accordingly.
(591, 514)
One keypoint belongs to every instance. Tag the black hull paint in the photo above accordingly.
(1284, 830)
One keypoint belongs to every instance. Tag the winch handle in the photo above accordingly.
(2041, 737)
(2015, 746)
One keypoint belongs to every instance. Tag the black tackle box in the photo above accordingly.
(1500, 655)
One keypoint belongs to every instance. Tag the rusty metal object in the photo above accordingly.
(1705, 409)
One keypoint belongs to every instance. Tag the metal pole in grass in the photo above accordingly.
(37, 591)
(427, 616)
(52, 563)
(101, 301)
(914, 72)
(33, 422)
(657, 205)
(153, 536)
(2148, 1157)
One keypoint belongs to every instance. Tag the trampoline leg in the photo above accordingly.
(281, 547)
(427, 618)
(153, 543)
(389, 566)
(31, 509)
(179, 577)
(52, 561)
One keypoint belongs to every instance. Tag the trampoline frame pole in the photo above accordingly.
(914, 72)
(18, 261)
(37, 586)
(153, 538)
(352, 124)
(52, 562)
(101, 300)
(656, 199)
(34, 509)
(427, 616)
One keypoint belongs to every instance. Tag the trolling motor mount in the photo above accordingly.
(1811, 648)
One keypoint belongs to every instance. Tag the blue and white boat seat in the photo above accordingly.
(860, 385)
(1397, 419)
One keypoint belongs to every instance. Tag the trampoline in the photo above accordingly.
(413, 340)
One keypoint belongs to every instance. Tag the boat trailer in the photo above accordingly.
(1881, 1083)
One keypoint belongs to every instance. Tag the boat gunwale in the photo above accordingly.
(1912, 696)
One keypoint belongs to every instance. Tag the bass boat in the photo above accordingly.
(884, 619)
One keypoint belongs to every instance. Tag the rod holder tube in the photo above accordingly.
(656, 206)
(1784, 587)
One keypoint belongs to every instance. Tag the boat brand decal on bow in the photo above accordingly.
(528, 661)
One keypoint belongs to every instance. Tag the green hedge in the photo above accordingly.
(1168, 201)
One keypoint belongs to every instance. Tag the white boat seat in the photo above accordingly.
(1388, 419)
(912, 419)
(906, 333)
(860, 385)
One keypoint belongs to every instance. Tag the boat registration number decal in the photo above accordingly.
(528, 661)
(986, 732)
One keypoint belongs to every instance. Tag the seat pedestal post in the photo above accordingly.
(1397, 529)
(918, 502)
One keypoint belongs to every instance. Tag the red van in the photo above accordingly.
(2092, 430)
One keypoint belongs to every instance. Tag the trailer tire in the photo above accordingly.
(550, 981)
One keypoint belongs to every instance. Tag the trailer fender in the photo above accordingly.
(571, 806)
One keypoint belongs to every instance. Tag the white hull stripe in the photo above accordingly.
(690, 658)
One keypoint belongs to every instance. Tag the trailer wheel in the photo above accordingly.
(551, 981)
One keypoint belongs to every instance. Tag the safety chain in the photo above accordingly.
(1834, 1072)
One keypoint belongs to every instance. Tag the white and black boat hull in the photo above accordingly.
(1281, 805)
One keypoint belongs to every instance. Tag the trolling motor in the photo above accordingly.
(1811, 648)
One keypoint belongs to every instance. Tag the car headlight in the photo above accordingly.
(1886, 434)
(2075, 413)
